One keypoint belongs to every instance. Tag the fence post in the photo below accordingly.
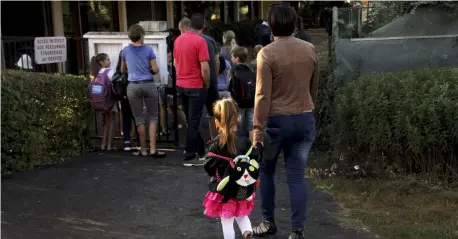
(334, 37)
(3, 57)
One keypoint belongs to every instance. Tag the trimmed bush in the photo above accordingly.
(44, 117)
(408, 120)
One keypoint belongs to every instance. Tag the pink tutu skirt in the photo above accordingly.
(214, 207)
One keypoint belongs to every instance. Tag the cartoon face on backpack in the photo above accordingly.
(241, 181)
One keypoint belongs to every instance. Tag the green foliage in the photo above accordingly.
(44, 117)
(406, 120)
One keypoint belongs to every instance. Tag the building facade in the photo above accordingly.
(73, 19)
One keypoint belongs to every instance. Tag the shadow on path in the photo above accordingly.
(117, 195)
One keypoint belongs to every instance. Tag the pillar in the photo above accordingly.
(57, 18)
(58, 27)
(170, 23)
(236, 11)
(225, 12)
(122, 16)
(182, 7)
(252, 10)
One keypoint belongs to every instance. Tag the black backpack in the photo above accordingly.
(119, 81)
(242, 85)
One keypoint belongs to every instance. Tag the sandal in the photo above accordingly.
(110, 148)
(163, 133)
(157, 154)
(140, 153)
(265, 228)
(103, 148)
(247, 234)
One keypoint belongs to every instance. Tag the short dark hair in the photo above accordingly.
(197, 21)
(282, 19)
(135, 32)
(241, 53)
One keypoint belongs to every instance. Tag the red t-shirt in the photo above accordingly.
(189, 50)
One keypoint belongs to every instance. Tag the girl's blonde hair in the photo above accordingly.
(229, 40)
(226, 112)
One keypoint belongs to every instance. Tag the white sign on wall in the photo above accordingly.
(50, 50)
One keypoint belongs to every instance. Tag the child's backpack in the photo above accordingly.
(242, 85)
(242, 178)
(101, 92)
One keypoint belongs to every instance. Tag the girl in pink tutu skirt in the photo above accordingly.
(233, 170)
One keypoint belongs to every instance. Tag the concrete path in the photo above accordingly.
(117, 195)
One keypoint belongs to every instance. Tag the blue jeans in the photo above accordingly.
(246, 121)
(294, 135)
(193, 104)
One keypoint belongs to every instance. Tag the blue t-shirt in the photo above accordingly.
(222, 78)
(138, 60)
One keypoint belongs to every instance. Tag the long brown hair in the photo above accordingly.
(225, 111)
(96, 63)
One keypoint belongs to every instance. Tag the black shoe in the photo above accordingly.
(296, 235)
(266, 227)
(188, 156)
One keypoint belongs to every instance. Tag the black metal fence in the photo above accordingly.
(18, 53)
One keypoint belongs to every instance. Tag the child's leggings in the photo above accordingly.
(244, 224)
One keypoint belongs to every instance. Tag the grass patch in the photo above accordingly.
(397, 209)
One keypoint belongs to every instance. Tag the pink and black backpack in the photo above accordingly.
(101, 92)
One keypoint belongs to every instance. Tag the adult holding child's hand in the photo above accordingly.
(286, 92)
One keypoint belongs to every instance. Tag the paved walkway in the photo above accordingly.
(117, 195)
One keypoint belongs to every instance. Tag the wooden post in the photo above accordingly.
(236, 11)
(58, 27)
(170, 23)
(252, 10)
(122, 16)
(182, 9)
(225, 12)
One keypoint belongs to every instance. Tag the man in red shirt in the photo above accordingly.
(193, 78)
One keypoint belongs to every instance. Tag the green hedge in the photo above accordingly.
(44, 117)
(408, 120)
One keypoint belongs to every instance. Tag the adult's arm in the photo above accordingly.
(263, 96)
(315, 81)
(123, 62)
(152, 60)
(202, 50)
(123, 67)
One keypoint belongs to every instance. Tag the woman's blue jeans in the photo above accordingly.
(294, 135)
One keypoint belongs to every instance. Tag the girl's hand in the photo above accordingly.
(250, 198)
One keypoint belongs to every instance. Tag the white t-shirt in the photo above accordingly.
(110, 73)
